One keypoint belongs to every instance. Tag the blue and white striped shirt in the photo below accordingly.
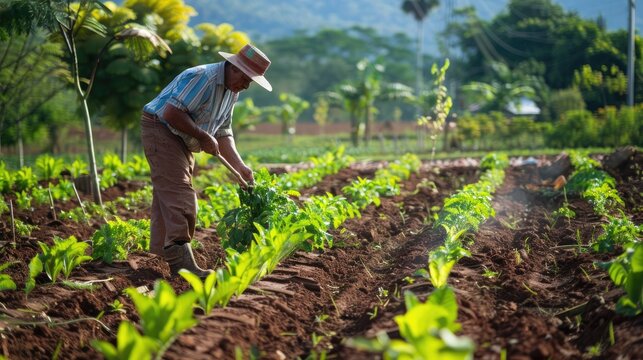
(200, 92)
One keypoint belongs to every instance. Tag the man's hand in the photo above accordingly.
(246, 174)
(209, 144)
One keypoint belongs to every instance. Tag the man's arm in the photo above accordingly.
(228, 150)
(182, 122)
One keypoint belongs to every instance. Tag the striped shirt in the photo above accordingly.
(200, 92)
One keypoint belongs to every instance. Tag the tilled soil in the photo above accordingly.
(313, 301)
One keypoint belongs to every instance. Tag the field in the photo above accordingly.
(529, 288)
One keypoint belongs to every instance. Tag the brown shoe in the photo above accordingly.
(181, 257)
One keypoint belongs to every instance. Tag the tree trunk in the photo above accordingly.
(21, 150)
(368, 125)
(354, 130)
(93, 171)
(124, 145)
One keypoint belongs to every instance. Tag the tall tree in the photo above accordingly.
(63, 19)
(503, 89)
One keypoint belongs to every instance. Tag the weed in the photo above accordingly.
(489, 273)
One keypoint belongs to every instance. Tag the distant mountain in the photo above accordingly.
(266, 19)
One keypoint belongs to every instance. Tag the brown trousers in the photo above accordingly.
(174, 204)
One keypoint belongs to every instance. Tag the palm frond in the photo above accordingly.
(143, 42)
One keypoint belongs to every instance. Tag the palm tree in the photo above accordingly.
(504, 89)
(420, 9)
(64, 19)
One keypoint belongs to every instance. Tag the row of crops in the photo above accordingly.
(259, 230)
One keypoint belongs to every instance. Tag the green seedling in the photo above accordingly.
(6, 282)
(489, 273)
(63, 256)
(130, 344)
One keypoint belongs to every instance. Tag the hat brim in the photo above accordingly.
(259, 79)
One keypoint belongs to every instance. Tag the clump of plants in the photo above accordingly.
(116, 239)
(264, 204)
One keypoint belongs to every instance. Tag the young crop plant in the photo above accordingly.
(116, 239)
(4, 207)
(618, 231)
(24, 229)
(78, 168)
(426, 330)
(603, 198)
(363, 192)
(63, 256)
(6, 179)
(626, 271)
(48, 167)
(130, 344)
(264, 205)
(466, 209)
(24, 179)
(443, 258)
(494, 161)
(6, 282)
(23, 200)
(323, 213)
(164, 316)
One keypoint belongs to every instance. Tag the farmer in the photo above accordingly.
(193, 113)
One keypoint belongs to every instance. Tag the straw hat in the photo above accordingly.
(252, 62)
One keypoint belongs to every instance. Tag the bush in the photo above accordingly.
(577, 128)
(565, 100)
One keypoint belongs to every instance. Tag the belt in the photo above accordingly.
(154, 117)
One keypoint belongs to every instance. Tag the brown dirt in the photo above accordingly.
(277, 317)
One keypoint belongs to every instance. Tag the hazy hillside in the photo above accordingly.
(264, 19)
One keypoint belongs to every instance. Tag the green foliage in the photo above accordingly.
(426, 330)
(264, 205)
(494, 161)
(48, 167)
(63, 256)
(618, 231)
(565, 100)
(24, 179)
(603, 198)
(621, 127)
(576, 128)
(24, 229)
(164, 315)
(116, 239)
(205, 290)
(6, 179)
(130, 345)
(626, 271)
(4, 207)
(78, 167)
(6, 282)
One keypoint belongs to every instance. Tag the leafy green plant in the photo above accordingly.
(24, 179)
(6, 282)
(23, 200)
(4, 207)
(427, 331)
(264, 205)
(626, 271)
(618, 231)
(494, 161)
(24, 229)
(164, 315)
(362, 193)
(603, 198)
(63, 256)
(205, 290)
(130, 344)
(116, 239)
(48, 167)
(78, 167)
(6, 179)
